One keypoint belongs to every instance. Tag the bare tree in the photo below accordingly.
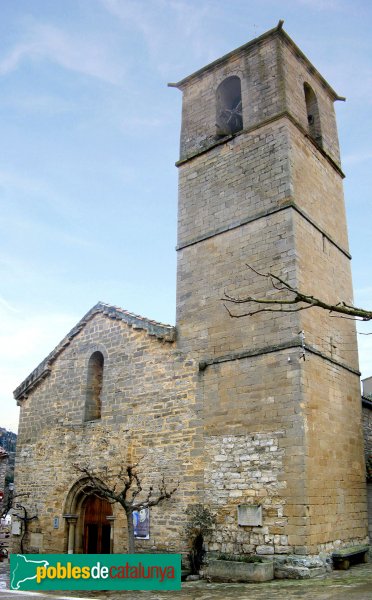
(9, 498)
(125, 487)
(25, 519)
(291, 299)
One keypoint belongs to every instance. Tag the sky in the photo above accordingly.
(89, 134)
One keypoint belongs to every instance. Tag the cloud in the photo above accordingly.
(324, 4)
(25, 340)
(365, 349)
(8, 306)
(88, 55)
(15, 56)
(16, 186)
(364, 290)
(135, 14)
(353, 159)
(137, 125)
(162, 21)
(30, 337)
(356, 84)
(35, 103)
(10, 179)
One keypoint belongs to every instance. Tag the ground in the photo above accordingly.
(354, 584)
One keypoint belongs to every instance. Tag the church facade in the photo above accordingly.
(259, 417)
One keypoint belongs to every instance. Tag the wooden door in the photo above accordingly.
(96, 526)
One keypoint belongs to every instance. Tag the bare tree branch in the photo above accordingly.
(25, 519)
(9, 499)
(126, 489)
(296, 301)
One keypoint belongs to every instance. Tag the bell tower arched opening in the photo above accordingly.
(229, 118)
(313, 117)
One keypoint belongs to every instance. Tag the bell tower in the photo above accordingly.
(260, 183)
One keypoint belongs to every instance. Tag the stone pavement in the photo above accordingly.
(355, 584)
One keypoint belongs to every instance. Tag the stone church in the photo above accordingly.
(258, 417)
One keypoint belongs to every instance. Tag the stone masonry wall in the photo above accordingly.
(369, 499)
(331, 389)
(262, 391)
(324, 271)
(296, 71)
(257, 69)
(206, 270)
(234, 182)
(225, 196)
(318, 188)
(149, 412)
(331, 396)
(246, 469)
(335, 467)
(367, 430)
(271, 198)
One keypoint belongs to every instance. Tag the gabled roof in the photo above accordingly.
(367, 402)
(167, 333)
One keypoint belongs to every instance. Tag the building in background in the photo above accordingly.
(367, 387)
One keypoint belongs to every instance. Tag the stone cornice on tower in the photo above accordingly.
(276, 31)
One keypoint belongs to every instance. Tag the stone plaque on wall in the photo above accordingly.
(36, 540)
(250, 515)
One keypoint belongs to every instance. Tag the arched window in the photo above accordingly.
(229, 106)
(94, 387)
(313, 117)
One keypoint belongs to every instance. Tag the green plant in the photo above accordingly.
(199, 525)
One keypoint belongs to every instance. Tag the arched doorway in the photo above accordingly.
(97, 528)
(89, 521)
